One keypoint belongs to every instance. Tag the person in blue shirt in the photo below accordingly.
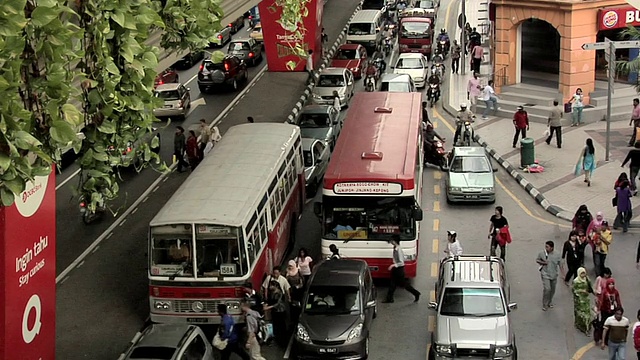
(228, 332)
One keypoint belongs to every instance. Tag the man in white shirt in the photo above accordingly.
(490, 98)
(474, 90)
(617, 327)
(453, 245)
(281, 280)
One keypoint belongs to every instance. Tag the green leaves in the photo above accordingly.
(190, 26)
(42, 16)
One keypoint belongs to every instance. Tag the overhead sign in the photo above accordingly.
(379, 188)
(618, 17)
(616, 44)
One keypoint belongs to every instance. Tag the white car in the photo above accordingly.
(222, 37)
(414, 65)
(334, 79)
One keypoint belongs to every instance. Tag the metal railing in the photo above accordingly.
(501, 76)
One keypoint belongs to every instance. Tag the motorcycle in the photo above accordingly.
(433, 94)
(370, 83)
(442, 48)
(436, 155)
(387, 46)
(90, 215)
(438, 69)
(466, 134)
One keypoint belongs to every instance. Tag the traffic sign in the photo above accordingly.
(631, 44)
(594, 46)
(462, 21)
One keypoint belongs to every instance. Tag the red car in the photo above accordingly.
(352, 57)
(168, 76)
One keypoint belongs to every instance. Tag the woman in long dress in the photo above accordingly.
(587, 162)
(582, 302)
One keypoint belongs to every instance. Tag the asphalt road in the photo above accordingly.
(103, 302)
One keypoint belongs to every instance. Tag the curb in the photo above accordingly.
(133, 341)
(325, 62)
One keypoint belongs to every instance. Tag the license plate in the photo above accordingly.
(197, 320)
(471, 196)
(327, 350)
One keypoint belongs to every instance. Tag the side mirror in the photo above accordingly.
(417, 214)
(371, 304)
(495, 169)
(432, 305)
(317, 208)
(188, 89)
(513, 306)
(349, 83)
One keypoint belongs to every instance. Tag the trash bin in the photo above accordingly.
(527, 152)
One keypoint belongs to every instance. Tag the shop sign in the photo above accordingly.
(618, 18)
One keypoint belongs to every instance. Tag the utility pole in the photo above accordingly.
(462, 21)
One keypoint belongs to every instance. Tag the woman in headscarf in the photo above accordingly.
(592, 229)
(582, 219)
(624, 207)
(296, 281)
(581, 301)
(609, 302)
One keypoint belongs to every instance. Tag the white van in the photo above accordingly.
(366, 29)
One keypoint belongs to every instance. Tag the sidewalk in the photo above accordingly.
(556, 189)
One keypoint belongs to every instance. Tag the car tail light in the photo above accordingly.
(82, 204)
(160, 82)
(220, 37)
(226, 66)
(201, 67)
(129, 149)
(230, 25)
(250, 17)
(251, 54)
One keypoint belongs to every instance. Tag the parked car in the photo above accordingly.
(249, 50)
(171, 342)
(352, 57)
(236, 24)
(176, 101)
(316, 159)
(470, 177)
(189, 60)
(397, 83)
(334, 79)
(415, 65)
(473, 307)
(338, 310)
(320, 122)
(256, 33)
(222, 37)
(168, 76)
(230, 71)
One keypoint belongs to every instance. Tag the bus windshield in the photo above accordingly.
(415, 30)
(368, 218)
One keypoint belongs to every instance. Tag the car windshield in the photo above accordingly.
(308, 158)
(257, 28)
(314, 121)
(332, 300)
(395, 86)
(409, 63)
(167, 95)
(368, 218)
(153, 352)
(415, 29)
(346, 54)
(472, 302)
(361, 29)
(238, 46)
(331, 81)
(470, 164)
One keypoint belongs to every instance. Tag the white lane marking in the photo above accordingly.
(67, 179)
(288, 352)
(109, 232)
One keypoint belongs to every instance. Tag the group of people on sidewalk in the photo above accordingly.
(188, 151)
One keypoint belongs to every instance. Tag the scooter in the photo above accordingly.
(370, 83)
(442, 48)
(387, 46)
(436, 155)
(438, 69)
(90, 215)
(466, 134)
(433, 94)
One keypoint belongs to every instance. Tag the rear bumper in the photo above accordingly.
(168, 112)
(351, 351)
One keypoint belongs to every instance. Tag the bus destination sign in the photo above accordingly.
(382, 188)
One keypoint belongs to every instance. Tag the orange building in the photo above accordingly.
(540, 41)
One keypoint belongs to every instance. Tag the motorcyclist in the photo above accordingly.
(430, 138)
(379, 62)
(434, 79)
(425, 115)
(401, 6)
(387, 33)
(443, 36)
(463, 116)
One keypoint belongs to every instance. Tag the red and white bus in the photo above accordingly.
(373, 186)
(229, 223)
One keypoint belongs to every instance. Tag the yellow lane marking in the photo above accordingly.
(434, 269)
(436, 206)
(432, 295)
(436, 225)
(436, 189)
(434, 246)
(435, 124)
(431, 322)
(583, 350)
(437, 175)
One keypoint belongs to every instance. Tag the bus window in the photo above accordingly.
(219, 251)
(264, 237)
(253, 246)
(171, 251)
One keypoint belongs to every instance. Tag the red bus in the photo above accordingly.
(229, 223)
(415, 35)
(372, 189)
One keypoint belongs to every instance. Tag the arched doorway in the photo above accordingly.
(539, 53)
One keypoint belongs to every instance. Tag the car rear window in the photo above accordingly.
(394, 87)
(238, 46)
(168, 95)
(213, 66)
(313, 120)
(153, 352)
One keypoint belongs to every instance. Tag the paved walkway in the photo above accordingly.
(557, 189)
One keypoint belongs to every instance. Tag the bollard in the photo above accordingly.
(527, 152)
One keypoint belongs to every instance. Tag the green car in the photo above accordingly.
(470, 177)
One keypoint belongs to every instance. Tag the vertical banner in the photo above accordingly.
(28, 256)
(290, 29)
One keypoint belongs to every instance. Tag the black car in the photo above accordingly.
(248, 50)
(189, 60)
(236, 24)
(338, 310)
(229, 72)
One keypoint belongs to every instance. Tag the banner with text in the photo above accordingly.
(618, 17)
(28, 254)
(289, 30)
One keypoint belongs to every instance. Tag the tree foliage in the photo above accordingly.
(630, 33)
(189, 24)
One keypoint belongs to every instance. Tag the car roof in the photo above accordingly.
(316, 109)
(410, 55)
(241, 40)
(334, 272)
(396, 78)
(349, 46)
(168, 87)
(164, 335)
(469, 151)
(307, 143)
(472, 270)
(333, 71)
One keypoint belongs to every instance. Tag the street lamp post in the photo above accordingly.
(463, 39)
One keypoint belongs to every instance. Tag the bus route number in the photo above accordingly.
(227, 269)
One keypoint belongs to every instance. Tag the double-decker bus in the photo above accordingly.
(373, 186)
(229, 223)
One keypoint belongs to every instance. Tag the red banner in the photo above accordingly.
(28, 253)
(618, 17)
(288, 36)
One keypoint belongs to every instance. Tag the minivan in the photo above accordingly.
(366, 29)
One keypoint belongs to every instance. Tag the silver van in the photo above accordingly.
(366, 29)
(473, 310)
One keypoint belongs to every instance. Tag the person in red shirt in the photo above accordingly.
(193, 150)
(521, 123)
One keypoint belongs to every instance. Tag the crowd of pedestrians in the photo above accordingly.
(188, 151)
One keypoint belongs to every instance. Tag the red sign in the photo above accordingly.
(28, 280)
(288, 36)
(618, 17)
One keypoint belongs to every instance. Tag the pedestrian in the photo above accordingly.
(635, 121)
(587, 162)
(582, 245)
(624, 207)
(581, 219)
(250, 119)
(304, 262)
(397, 272)
(490, 99)
(453, 245)
(555, 124)
(193, 150)
(455, 56)
(593, 229)
(616, 328)
(521, 124)
(477, 54)
(496, 223)
(601, 284)
(336, 101)
(576, 107)
(179, 148)
(205, 135)
(281, 280)
(474, 90)
(228, 332)
(425, 114)
(570, 255)
(609, 302)
(602, 241)
(635, 334)
(252, 319)
(581, 289)
(335, 253)
(474, 39)
(324, 39)
(276, 309)
(622, 177)
(634, 166)
(309, 67)
(296, 282)
(549, 262)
